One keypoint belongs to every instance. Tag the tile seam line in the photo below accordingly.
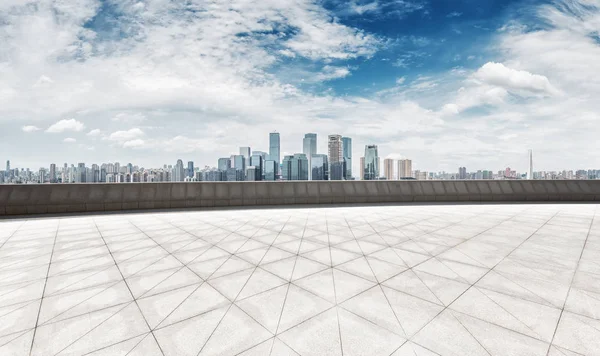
(232, 303)
(572, 279)
(446, 307)
(44, 290)
(128, 288)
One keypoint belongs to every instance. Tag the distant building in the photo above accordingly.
(362, 168)
(274, 147)
(257, 161)
(245, 151)
(388, 168)
(52, 173)
(309, 148)
(530, 170)
(190, 169)
(234, 175)
(335, 150)
(239, 163)
(319, 167)
(371, 162)
(404, 168)
(462, 173)
(271, 170)
(347, 156)
(253, 173)
(295, 167)
(178, 172)
(224, 164)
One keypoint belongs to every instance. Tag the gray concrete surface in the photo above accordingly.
(76, 198)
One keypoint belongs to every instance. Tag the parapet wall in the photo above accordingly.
(74, 198)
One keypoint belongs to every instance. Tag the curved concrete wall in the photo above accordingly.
(68, 198)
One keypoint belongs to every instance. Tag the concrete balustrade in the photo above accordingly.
(75, 198)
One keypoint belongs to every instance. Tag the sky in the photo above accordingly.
(472, 83)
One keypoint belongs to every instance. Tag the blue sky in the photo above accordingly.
(446, 83)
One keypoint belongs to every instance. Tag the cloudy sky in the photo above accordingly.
(445, 83)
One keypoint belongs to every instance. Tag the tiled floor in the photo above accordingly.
(382, 280)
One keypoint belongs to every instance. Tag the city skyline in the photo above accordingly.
(439, 82)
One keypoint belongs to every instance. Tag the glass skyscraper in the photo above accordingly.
(271, 169)
(274, 147)
(319, 167)
(347, 154)
(371, 162)
(309, 148)
(295, 167)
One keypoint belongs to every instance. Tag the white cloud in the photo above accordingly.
(400, 80)
(500, 75)
(69, 140)
(66, 125)
(332, 72)
(124, 136)
(94, 133)
(30, 128)
(137, 143)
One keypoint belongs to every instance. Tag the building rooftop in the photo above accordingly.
(398, 280)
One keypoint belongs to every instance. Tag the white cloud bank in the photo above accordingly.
(66, 125)
(30, 128)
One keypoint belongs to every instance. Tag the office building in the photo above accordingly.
(257, 161)
(319, 167)
(239, 163)
(295, 167)
(190, 169)
(224, 164)
(404, 168)
(52, 173)
(246, 152)
(530, 167)
(271, 170)
(234, 175)
(178, 172)
(388, 168)
(371, 162)
(309, 148)
(462, 173)
(335, 156)
(362, 168)
(347, 155)
(253, 174)
(81, 173)
(274, 147)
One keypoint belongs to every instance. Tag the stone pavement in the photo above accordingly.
(413, 280)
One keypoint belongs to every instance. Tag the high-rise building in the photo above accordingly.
(8, 167)
(274, 147)
(295, 167)
(271, 169)
(362, 168)
(178, 172)
(388, 168)
(371, 162)
(462, 172)
(42, 175)
(335, 155)
(253, 173)
(81, 173)
(404, 168)
(224, 164)
(257, 161)
(239, 163)
(246, 152)
(190, 169)
(319, 167)
(347, 154)
(530, 168)
(52, 174)
(95, 173)
(309, 148)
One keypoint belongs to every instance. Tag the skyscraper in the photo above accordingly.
(245, 151)
(462, 173)
(530, 168)
(257, 161)
(371, 162)
(81, 173)
(52, 174)
(309, 148)
(8, 167)
(239, 163)
(271, 169)
(319, 167)
(335, 157)
(190, 169)
(295, 167)
(362, 168)
(274, 147)
(388, 168)
(178, 172)
(347, 154)
(404, 168)
(224, 164)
